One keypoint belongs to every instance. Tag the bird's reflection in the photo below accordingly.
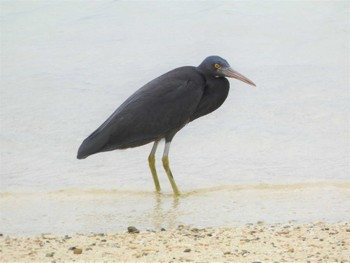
(165, 213)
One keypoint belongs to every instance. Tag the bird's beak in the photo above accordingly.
(229, 72)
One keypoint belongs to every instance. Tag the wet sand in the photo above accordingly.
(257, 242)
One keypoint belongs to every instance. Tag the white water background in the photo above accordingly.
(67, 65)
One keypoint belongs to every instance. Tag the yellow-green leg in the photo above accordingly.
(167, 168)
(152, 165)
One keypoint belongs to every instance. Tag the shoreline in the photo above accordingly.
(111, 211)
(259, 242)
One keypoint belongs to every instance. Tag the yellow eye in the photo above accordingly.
(217, 66)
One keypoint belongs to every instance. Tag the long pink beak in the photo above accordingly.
(229, 72)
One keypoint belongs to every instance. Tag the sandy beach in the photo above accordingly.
(259, 242)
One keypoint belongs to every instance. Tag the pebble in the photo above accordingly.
(132, 246)
(148, 249)
(283, 232)
(187, 250)
(77, 251)
(50, 255)
(48, 236)
(132, 229)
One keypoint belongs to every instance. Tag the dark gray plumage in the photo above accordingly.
(161, 108)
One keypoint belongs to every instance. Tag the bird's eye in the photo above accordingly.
(217, 66)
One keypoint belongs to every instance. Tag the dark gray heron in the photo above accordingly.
(161, 108)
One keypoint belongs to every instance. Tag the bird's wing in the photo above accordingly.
(214, 95)
(157, 110)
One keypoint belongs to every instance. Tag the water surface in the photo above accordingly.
(66, 66)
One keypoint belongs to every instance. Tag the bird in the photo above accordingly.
(161, 108)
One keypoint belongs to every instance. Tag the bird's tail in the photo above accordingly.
(92, 144)
(82, 152)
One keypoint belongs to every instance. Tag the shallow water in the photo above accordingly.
(66, 66)
(100, 210)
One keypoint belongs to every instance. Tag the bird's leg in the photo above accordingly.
(167, 168)
(152, 166)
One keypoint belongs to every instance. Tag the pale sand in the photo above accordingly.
(317, 242)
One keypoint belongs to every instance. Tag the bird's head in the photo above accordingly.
(217, 67)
